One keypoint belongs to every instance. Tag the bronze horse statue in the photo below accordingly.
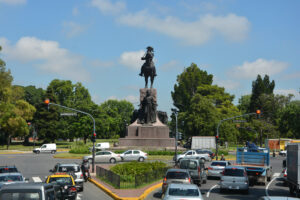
(148, 68)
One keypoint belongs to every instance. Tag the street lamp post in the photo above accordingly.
(176, 133)
(47, 101)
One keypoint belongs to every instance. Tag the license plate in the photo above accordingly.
(236, 187)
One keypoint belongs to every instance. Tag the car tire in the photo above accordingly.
(122, 159)
(112, 161)
(141, 159)
(53, 152)
(37, 152)
(204, 181)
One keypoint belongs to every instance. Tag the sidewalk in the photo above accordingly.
(123, 194)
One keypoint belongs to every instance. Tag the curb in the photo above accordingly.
(116, 197)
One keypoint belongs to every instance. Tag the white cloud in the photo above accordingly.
(232, 27)
(171, 65)
(250, 70)
(107, 7)
(132, 59)
(72, 29)
(287, 92)
(227, 84)
(46, 56)
(13, 2)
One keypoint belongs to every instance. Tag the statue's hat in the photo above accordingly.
(150, 48)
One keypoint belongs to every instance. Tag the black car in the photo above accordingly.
(211, 154)
(8, 169)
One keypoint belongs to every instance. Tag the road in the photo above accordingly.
(211, 188)
(36, 167)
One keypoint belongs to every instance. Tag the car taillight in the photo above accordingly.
(285, 175)
(146, 154)
(189, 179)
(210, 168)
(72, 189)
(81, 175)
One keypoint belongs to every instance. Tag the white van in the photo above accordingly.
(46, 148)
(100, 146)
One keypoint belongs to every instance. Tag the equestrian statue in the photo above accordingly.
(148, 68)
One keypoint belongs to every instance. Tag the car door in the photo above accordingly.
(128, 155)
(99, 156)
(135, 155)
(106, 156)
(189, 154)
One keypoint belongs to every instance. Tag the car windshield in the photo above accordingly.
(68, 169)
(233, 172)
(218, 164)
(61, 180)
(188, 164)
(11, 178)
(177, 175)
(21, 196)
(8, 169)
(183, 192)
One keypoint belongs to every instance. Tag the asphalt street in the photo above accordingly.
(36, 167)
(211, 188)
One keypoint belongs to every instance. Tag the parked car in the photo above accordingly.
(104, 156)
(234, 178)
(8, 169)
(67, 185)
(282, 152)
(100, 146)
(8, 178)
(192, 154)
(131, 155)
(196, 169)
(72, 168)
(46, 148)
(176, 176)
(177, 191)
(21, 191)
(211, 154)
(216, 168)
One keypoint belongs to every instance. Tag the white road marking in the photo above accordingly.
(276, 175)
(267, 193)
(211, 190)
(36, 179)
(79, 196)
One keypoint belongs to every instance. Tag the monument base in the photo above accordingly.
(147, 142)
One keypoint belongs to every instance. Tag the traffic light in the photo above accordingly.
(93, 138)
(179, 136)
(258, 114)
(47, 101)
(217, 139)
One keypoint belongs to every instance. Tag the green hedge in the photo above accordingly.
(129, 170)
(79, 148)
(222, 151)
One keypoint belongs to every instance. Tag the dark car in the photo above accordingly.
(32, 191)
(8, 169)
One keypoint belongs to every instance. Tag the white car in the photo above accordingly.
(132, 155)
(177, 191)
(100, 146)
(46, 148)
(104, 156)
(192, 154)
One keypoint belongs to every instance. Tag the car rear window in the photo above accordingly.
(8, 170)
(61, 180)
(234, 172)
(218, 164)
(183, 192)
(21, 196)
(68, 169)
(177, 175)
(188, 164)
(10, 178)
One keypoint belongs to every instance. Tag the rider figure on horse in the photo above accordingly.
(149, 61)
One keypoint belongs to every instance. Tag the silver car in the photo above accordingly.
(8, 178)
(176, 176)
(216, 168)
(193, 154)
(234, 178)
(104, 156)
(132, 155)
(71, 168)
(177, 191)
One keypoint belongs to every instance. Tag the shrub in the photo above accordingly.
(222, 151)
(79, 148)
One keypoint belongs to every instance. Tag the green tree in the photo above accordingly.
(289, 125)
(244, 103)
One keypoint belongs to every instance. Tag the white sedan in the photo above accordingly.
(132, 155)
(104, 156)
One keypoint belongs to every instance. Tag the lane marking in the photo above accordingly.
(276, 175)
(267, 193)
(211, 190)
(79, 196)
(36, 179)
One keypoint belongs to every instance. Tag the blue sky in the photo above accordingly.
(99, 43)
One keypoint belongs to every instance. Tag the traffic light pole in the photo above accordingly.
(48, 103)
(257, 113)
(176, 134)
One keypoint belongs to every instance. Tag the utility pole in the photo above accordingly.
(175, 111)
(47, 101)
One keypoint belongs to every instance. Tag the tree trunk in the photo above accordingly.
(84, 140)
(8, 142)
(26, 140)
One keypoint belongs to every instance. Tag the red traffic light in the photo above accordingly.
(94, 134)
(258, 112)
(47, 101)
(217, 137)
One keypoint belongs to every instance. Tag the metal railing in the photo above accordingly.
(123, 182)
